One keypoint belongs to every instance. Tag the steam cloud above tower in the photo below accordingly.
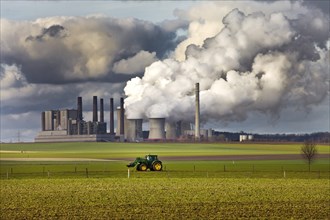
(256, 62)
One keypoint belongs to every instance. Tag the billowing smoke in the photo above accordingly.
(257, 62)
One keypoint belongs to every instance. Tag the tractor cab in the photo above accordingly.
(151, 158)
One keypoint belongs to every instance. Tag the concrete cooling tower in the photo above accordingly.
(171, 130)
(133, 130)
(156, 128)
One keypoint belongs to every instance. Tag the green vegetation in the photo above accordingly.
(79, 188)
(164, 198)
(132, 150)
(174, 169)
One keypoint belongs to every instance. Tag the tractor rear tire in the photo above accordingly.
(157, 166)
(142, 167)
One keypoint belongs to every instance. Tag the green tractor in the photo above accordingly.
(148, 162)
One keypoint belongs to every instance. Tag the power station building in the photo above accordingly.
(69, 125)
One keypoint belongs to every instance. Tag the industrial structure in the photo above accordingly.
(69, 125)
(245, 137)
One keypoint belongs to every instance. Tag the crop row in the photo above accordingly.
(173, 198)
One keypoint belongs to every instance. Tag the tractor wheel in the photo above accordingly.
(138, 167)
(157, 166)
(143, 167)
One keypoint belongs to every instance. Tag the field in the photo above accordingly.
(131, 150)
(199, 181)
(158, 198)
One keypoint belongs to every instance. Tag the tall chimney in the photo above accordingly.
(101, 111)
(122, 115)
(95, 109)
(112, 122)
(197, 113)
(43, 119)
(79, 108)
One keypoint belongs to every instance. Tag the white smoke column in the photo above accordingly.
(256, 62)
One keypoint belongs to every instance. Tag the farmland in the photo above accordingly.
(173, 198)
(131, 150)
(90, 181)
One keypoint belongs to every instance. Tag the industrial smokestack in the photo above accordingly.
(79, 108)
(197, 113)
(101, 111)
(112, 122)
(156, 128)
(43, 119)
(95, 109)
(122, 116)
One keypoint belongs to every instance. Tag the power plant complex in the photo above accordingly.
(68, 125)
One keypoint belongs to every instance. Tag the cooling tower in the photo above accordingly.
(101, 111)
(112, 122)
(133, 130)
(122, 116)
(95, 109)
(197, 113)
(171, 130)
(182, 126)
(79, 108)
(157, 128)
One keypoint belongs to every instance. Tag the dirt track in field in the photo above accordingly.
(245, 157)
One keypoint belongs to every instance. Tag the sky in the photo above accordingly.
(263, 66)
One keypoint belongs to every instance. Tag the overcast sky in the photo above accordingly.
(270, 76)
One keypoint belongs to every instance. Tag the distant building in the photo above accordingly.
(68, 125)
(246, 137)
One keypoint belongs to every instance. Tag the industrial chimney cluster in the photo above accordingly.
(69, 125)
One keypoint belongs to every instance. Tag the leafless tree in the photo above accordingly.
(308, 151)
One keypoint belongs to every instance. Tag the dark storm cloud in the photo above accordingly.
(323, 5)
(20, 96)
(76, 49)
(52, 31)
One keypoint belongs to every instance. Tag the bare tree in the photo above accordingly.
(308, 151)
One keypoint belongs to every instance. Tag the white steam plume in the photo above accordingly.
(256, 62)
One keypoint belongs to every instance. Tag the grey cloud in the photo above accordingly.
(76, 49)
(135, 64)
(20, 96)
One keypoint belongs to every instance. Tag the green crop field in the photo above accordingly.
(127, 150)
(90, 181)
(165, 198)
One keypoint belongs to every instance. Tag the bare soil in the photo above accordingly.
(245, 157)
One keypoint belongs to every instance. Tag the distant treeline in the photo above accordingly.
(319, 137)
